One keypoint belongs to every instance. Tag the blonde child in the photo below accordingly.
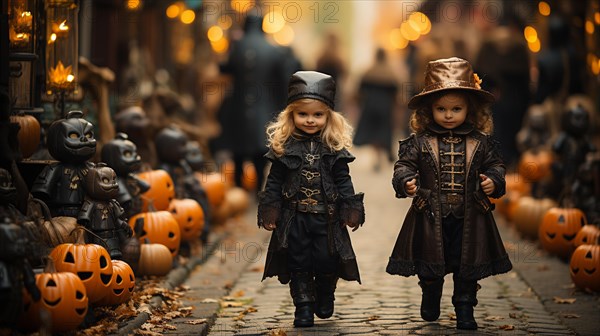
(449, 166)
(309, 199)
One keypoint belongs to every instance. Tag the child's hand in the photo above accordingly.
(353, 226)
(270, 226)
(487, 184)
(411, 187)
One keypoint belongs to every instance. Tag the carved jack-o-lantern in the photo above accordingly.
(121, 155)
(101, 183)
(71, 139)
(122, 284)
(90, 262)
(63, 299)
(190, 217)
(159, 228)
(589, 234)
(585, 267)
(559, 228)
(161, 192)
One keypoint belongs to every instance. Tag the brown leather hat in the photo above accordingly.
(450, 74)
(312, 84)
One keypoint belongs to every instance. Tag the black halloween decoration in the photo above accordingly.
(194, 156)
(70, 141)
(101, 213)
(121, 155)
(171, 151)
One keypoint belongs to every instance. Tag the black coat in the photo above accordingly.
(419, 248)
(259, 75)
(377, 101)
(283, 184)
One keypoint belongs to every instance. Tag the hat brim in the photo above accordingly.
(417, 100)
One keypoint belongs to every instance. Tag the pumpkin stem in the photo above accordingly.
(81, 238)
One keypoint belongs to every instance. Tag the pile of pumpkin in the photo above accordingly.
(560, 230)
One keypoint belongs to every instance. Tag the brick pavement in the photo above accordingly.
(383, 304)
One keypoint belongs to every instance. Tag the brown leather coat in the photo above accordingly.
(419, 248)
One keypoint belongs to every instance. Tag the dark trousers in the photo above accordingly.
(452, 230)
(308, 245)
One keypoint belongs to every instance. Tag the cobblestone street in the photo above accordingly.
(383, 304)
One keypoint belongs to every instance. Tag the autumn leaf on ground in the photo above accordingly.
(231, 304)
(570, 315)
(196, 321)
(209, 300)
(244, 313)
(493, 318)
(560, 300)
(277, 332)
(507, 327)
(373, 317)
(239, 293)
(147, 333)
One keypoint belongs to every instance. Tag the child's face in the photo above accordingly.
(450, 110)
(311, 116)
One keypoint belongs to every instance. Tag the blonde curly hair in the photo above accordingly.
(337, 133)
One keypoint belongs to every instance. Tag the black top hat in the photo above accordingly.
(312, 84)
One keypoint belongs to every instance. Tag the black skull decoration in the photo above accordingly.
(71, 139)
(121, 155)
(170, 145)
(576, 121)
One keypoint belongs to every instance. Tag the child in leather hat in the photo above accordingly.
(309, 199)
(449, 166)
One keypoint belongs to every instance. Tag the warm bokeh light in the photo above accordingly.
(544, 8)
(133, 4)
(285, 36)
(530, 34)
(220, 46)
(188, 16)
(214, 33)
(408, 32)
(225, 22)
(242, 6)
(421, 22)
(175, 10)
(535, 46)
(597, 17)
(589, 27)
(397, 40)
(273, 22)
(52, 38)
(594, 65)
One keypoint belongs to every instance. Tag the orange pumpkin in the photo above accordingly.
(215, 188)
(155, 259)
(63, 300)
(159, 228)
(90, 262)
(29, 133)
(249, 177)
(190, 217)
(559, 228)
(585, 267)
(238, 199)
(122, 285)
(535, 165)
(161, 192)
(528, 215)
(589, 234)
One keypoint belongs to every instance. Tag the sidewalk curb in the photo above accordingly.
(174, 278)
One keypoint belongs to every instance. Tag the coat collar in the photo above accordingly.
(463, 129)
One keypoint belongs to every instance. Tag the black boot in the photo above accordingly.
(430, 301)
(464, 299)
(325, 289)
(302, 291)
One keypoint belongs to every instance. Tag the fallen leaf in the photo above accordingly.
(560, 300)
(277, 332)
(373, 317)
(570, 315)
(230, 304)
(196, 321)
(207, 300)
(493, 318)
(507, 327)
(513, 315)
(239, 293)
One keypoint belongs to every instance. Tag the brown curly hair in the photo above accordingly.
(478, 112)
